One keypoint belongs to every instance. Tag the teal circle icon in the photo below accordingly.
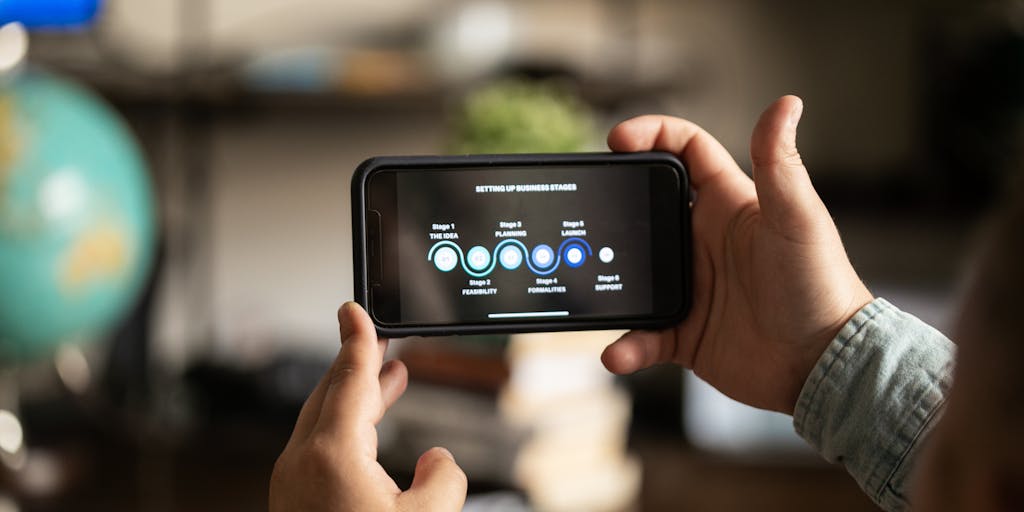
(510, 257)
(478, 258)
(445, 259)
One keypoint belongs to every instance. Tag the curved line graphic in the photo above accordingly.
(569, 243)
(510, 241)
(581, 241)
(447, 243)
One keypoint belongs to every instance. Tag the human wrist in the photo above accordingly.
(810, 353)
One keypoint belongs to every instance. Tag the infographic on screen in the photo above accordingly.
(529, 243)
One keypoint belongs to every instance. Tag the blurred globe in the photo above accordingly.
(76, 216)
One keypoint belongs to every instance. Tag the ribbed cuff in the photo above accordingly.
(875, 393)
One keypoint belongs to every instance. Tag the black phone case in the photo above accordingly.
(360, 273)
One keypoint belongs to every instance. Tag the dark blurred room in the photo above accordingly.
(245, 121)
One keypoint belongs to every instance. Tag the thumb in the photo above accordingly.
(787, 198)
(438, 485)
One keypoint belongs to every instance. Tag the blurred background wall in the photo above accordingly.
(253, 115)
(857, 65)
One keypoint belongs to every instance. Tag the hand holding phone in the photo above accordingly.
(517, 243)
(772, 283)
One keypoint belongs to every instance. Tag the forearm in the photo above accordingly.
(874, 396)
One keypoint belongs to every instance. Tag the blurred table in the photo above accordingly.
(680, 478)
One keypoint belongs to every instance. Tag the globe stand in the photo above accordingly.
(13, 454)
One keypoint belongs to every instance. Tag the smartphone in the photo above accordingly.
(521, 243)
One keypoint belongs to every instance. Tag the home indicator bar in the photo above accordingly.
(528, 314)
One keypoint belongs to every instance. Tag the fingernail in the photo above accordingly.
(348, 307)
(444, 451)
(344, 319)
(794, 115)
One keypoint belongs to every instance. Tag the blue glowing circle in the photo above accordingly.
(575, 256)
(543, 256)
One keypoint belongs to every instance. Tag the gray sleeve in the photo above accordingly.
(875, 393)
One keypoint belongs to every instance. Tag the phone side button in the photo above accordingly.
(373, 249)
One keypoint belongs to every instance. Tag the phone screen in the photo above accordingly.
(506, 245)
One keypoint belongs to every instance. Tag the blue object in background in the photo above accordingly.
(77, 223)
(61, 14)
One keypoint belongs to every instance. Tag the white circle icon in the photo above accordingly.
(478, 258)
(511, 257)
(574, 255)
(606, 254)
(542, 256)
(445, 259)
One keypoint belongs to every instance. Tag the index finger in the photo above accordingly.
(353, 396)
(705, 158)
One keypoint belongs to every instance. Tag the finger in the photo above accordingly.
(438, 485)
(346, 328)
(353, 394)
(394, 377)
(637, 350)
(787, 198)
(705, 158)
(310, 411)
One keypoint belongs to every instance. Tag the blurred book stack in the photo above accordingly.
(537, 412)
(575, 455)
(451, 401)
